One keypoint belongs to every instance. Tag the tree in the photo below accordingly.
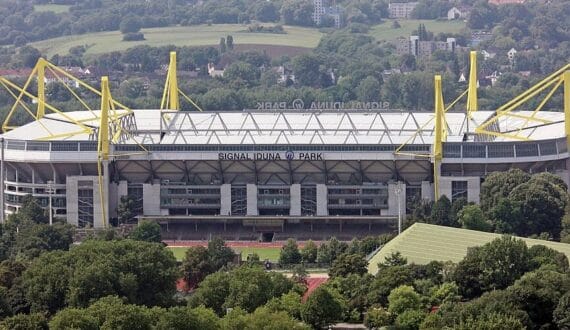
(141, 272)
(471, 217)
(539, 292)
(199, 318)
(543, 200)
(498, 185)
(73, 318)
(30, 211)
(307, 69)
(368, 90)
(220, 254)
(410, 319)
(147, 231)
(561, 314)
(244, 287)
(29, 56)
(34, 239)
(309, 252)
(34, 321)
(388, 279)
(223, 46)
(495, 265)
(290, 253)
(289, 303)
(403, 298)
(377, 318)
(347, 264)
(241, 72)
(230, 42)
(262, 318)
(130, 24)
(196, 265)
(322, 308)
(456, 206)
(507, 217)
(329, 251)
(266, 12)
(112, 313)
(440, 212)
(544, 256)
(126, 209)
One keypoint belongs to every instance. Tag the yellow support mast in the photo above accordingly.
(170, 98)
(103, 145)
(566, 96)
(41, 89)
(472, 105)
(439, 134)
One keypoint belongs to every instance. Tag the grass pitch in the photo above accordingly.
(271, 253)
(199, 35)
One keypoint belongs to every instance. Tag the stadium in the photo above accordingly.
(271, 174)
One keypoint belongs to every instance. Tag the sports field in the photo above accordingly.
(385, 31)
(199, 35)
(270, 253)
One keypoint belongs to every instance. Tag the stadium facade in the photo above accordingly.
(271, 169)
(291, 165)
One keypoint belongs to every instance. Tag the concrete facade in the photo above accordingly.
(151, 199)
(393, 196)
(252, 199)
(226, 199)
(427, 190)
(322, 200)
(295, 199)
(473, 187)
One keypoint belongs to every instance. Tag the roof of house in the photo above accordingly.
(422, 243)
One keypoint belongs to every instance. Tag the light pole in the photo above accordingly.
(50, 191)
(398, 193)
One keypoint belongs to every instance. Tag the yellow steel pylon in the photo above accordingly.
(472, 88)
(439, 134)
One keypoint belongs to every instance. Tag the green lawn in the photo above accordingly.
(385, 31)
(270, 253)
(51, 7)
(199, 35)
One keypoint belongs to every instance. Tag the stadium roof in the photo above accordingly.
(287, 127)
(422, 243)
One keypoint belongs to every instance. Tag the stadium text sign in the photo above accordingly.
(289, 155)
(299, 104)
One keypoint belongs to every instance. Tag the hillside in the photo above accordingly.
(385, 31)
(200, 35)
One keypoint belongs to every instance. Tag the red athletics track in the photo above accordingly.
(233, 244)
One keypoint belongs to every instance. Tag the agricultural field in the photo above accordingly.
(270, 253)
(199, 35)
(385, 31)
(51, 7)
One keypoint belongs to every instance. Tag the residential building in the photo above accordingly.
(326, 8)
(506, 2)
(458, 13)
(401, 9)
(424, 48)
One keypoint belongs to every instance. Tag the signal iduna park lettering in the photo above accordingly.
(289, 155)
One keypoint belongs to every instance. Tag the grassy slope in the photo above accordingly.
(52, 7)
(270, 253)
(385, 31)
(199, 35)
